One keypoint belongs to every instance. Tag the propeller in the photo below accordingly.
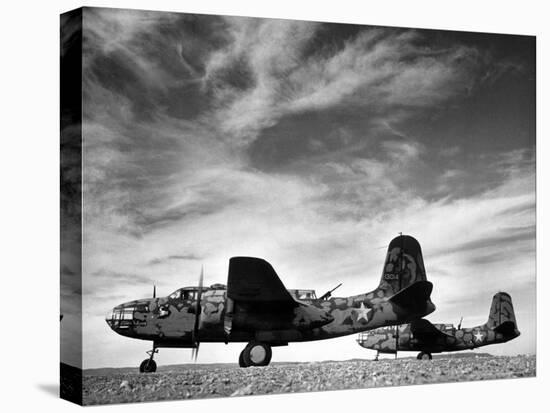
(460, 323)
(195, 334)
(228, 319)
(154, 291)
(396, 340)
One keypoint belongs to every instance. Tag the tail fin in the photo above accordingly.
(501, 316)
(404, 278)
(404, 265)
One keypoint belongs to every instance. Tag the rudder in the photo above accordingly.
(501, 315)
(404, 265)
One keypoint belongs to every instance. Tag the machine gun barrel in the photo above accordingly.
(329, 293)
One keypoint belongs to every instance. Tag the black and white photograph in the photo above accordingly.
(273, 206)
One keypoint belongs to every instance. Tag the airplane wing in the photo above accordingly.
(254, 280)
(425, 331)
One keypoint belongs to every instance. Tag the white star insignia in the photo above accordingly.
(478, 336)
(362, 312)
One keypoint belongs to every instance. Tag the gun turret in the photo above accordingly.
(327, 295)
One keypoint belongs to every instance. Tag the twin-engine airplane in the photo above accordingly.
(256, 308)
(421, 335)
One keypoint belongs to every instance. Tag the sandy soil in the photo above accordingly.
(190, 381)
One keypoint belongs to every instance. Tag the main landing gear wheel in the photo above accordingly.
(149, 365)
(424, 356)
(256, 354)
(241, 360)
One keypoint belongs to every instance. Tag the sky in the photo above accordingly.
(310, 145)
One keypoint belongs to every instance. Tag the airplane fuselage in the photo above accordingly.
(169, 321)
(384, 340)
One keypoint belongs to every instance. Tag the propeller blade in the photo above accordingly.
(196, 351)
(154, 291)
(198, 310)
(228, 319)
(396, 340)
(201, 279)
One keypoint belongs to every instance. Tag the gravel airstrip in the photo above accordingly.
(105, 386)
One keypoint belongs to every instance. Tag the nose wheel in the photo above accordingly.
(255, 354)
(424, 356)
(149, 365)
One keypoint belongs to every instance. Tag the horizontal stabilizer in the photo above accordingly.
(508, 328)
(415, 297)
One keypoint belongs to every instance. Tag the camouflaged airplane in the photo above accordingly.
(428, 338)
(256, 308)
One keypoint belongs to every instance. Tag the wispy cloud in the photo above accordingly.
(156, 261)
(379, 70)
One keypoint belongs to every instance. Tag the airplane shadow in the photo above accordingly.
(50, 388)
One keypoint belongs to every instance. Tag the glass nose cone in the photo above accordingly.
(110, 318)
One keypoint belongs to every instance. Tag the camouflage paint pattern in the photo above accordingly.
(169, 321)
(500, 327)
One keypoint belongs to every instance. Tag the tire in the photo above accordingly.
(257, 354)
(241, 360)
(148, 366)
(424, 356)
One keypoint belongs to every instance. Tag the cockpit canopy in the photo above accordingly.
(303, 294)
(191, 293)
(187, 293)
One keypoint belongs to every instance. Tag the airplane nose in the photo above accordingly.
(122, 318)
(119, 317)
(110, 318)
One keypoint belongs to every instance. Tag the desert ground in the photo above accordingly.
(126, 385)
